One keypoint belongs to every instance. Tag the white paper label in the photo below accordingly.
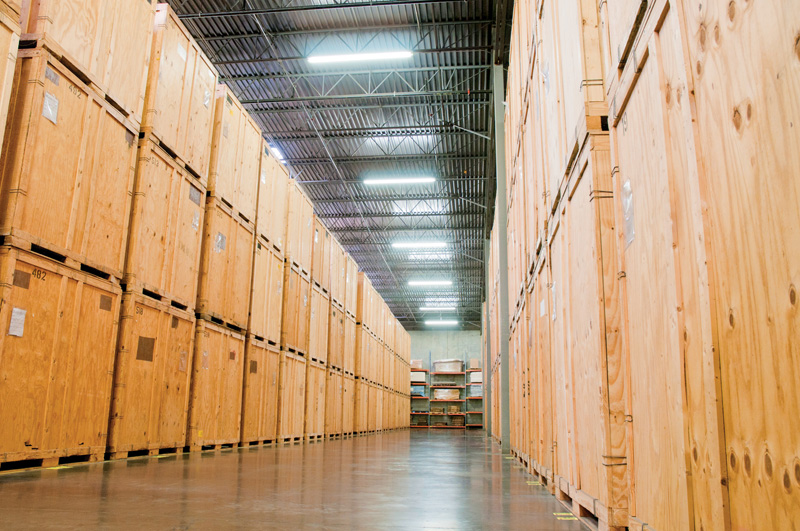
(263, 177)
(219, 242)
(50, 107)
(17, 326)
(542, 309)
(196, 221)
(627, 212)
(553, 289)
(207, 99)
(181, 52)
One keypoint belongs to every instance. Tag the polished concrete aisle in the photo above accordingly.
(400, 480)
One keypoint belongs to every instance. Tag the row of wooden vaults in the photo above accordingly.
(164, 283)
(653, 249)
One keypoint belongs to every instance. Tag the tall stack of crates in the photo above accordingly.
(262, 351)
(66, 183)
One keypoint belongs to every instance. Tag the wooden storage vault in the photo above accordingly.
(260, 395)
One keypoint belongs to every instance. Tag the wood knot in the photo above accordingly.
(702, 37)
(797, 46)
(694, 453)
(792, 295)
(787, 482)
(699, 68)
(717, 35)
(748, 465)
(730, 318)
(768, 465)
(733, 461)
(737, 119)
(797, 473)
(732, 11)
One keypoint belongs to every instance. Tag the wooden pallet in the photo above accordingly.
(290, 439)
(52, 461)
(147, 452)
(314, 438)
(194, 448)
(252, 444)
(217, 319)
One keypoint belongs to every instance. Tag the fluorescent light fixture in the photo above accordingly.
(360, 57)
(276, 153)
(437, 309)
(418, 245)
(430, 282)
(400, 180)
(430, 255)
(441, 323)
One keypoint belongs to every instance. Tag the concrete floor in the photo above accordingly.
(418, 479)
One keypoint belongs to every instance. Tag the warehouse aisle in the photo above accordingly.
(397, 480)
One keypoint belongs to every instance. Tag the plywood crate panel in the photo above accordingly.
(348, 403)
(67, 167)
(366, 354)
(349, 352)
(361, 408)
(321, 256)
(215, 403)
(338, 274)
(315, 399)
(318, 326)
(336, 340)
(272, 200)
(351, 286)
(179, 101)
(260, 394)
(367, 305)
(9, 43)
(150, 398)
(267, 293)
(235, 159)
(334, 389)
(166, 228)
(58, 356)
(299, 228)
(291, 396)
(108, 43)
(226, 266)
(591, 352)
(296, 309)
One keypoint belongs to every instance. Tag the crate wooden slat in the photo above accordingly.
(106, 43)
(334, 390)
(215, 403)
(296, 309)
(349, 349)
(316, 376)
(348, 404)
(361, 407)
(9, 43)
(318, 326)
(60, 330)
(260, 394)
(299, 227)
(179, 100)
(235, 159)
(338, 274)
(67, 166)
(336, 337)
(351, 286)
(272, 200)
(267, 293)
(166, 228)
(226, 265)
(321, 256)
(291, 396)
(149, 401)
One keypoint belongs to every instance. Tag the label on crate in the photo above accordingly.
(205, 360)
(263, 177)
(627, 212)
(51, 75)
(196, 221)
(195, 195)
(207, 99)
(181, 52)
(184, 361)
(226, 128)
(542, 308)
(50, 107)
(17, 326)
(219, 242)
(145, 348)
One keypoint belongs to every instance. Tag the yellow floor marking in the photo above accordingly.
(567, 518)
(59, 467)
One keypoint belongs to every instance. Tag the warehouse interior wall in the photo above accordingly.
(442, 345)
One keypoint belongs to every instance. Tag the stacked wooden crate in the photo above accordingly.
(68, 159)
(639, 282)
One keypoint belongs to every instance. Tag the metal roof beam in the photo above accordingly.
(412, 70)
(387, 27)
(376, 132)
(409, 94)
(390, 105)
(240, 61)
(288, 8)
(386, 158)
(356, 215)
(392, 198)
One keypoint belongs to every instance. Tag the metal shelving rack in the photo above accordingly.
(470, 408)
(474, 404)
(420, 404)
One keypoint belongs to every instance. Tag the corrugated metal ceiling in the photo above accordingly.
(338, 124)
